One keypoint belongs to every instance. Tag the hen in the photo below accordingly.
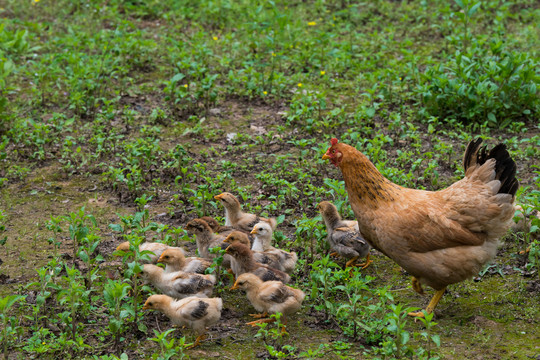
(193, 312)
(440, 237)
(343, 236)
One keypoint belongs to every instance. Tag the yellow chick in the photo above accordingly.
(263, 244)
(155, 247)
(179, 284)
(235, 217)
(269, 297)
(175, 260)
(193, 312)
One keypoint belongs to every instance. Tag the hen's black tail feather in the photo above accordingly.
(505, 166)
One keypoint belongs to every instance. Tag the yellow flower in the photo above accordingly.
(215, 38)
(185, 85)
(36, 1)
(273, 54)
(299, 84)
(323, 72)
(312, 23)
(265, 92)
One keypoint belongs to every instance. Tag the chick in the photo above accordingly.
(205, 237)
(343, 236)
(216, 227)
(192, 312)
(263, 243)
(179, 284)
(269, 297)
(175, 260)
(155, 247)
(524, 222)
(272, 260)
(243, 262)
(234, 216)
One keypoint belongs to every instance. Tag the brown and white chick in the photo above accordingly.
(243, 262)
(175, 260)
(179, 284)
(205, 237)
(269, 259)
(193, 312)
(235, 217)
(269, 297)
(263, 243)
(343, 236)
(155, 247)
(216, 227)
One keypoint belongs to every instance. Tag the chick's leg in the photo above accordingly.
(431, 306)
(197, 341)
(261, 321)
(259, 316)
(351, 262)
(366, 264)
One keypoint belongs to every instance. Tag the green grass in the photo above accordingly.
(102, 103)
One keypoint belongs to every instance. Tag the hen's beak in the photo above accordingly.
(254, 231)
(324, 157)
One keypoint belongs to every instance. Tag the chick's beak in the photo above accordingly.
(218, 197)
(160, 259)
(145, 307)
(254, 231)
(235, 286)
(227, 249)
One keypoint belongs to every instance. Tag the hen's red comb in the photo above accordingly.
(334, 141)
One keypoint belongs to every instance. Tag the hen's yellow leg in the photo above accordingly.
(197, 341)
(431, 306)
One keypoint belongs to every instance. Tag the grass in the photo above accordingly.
(103, 103)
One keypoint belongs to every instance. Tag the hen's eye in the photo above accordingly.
(333, 151)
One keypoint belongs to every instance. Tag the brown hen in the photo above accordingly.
(440, 237)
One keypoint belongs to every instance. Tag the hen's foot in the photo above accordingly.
(431, 306)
